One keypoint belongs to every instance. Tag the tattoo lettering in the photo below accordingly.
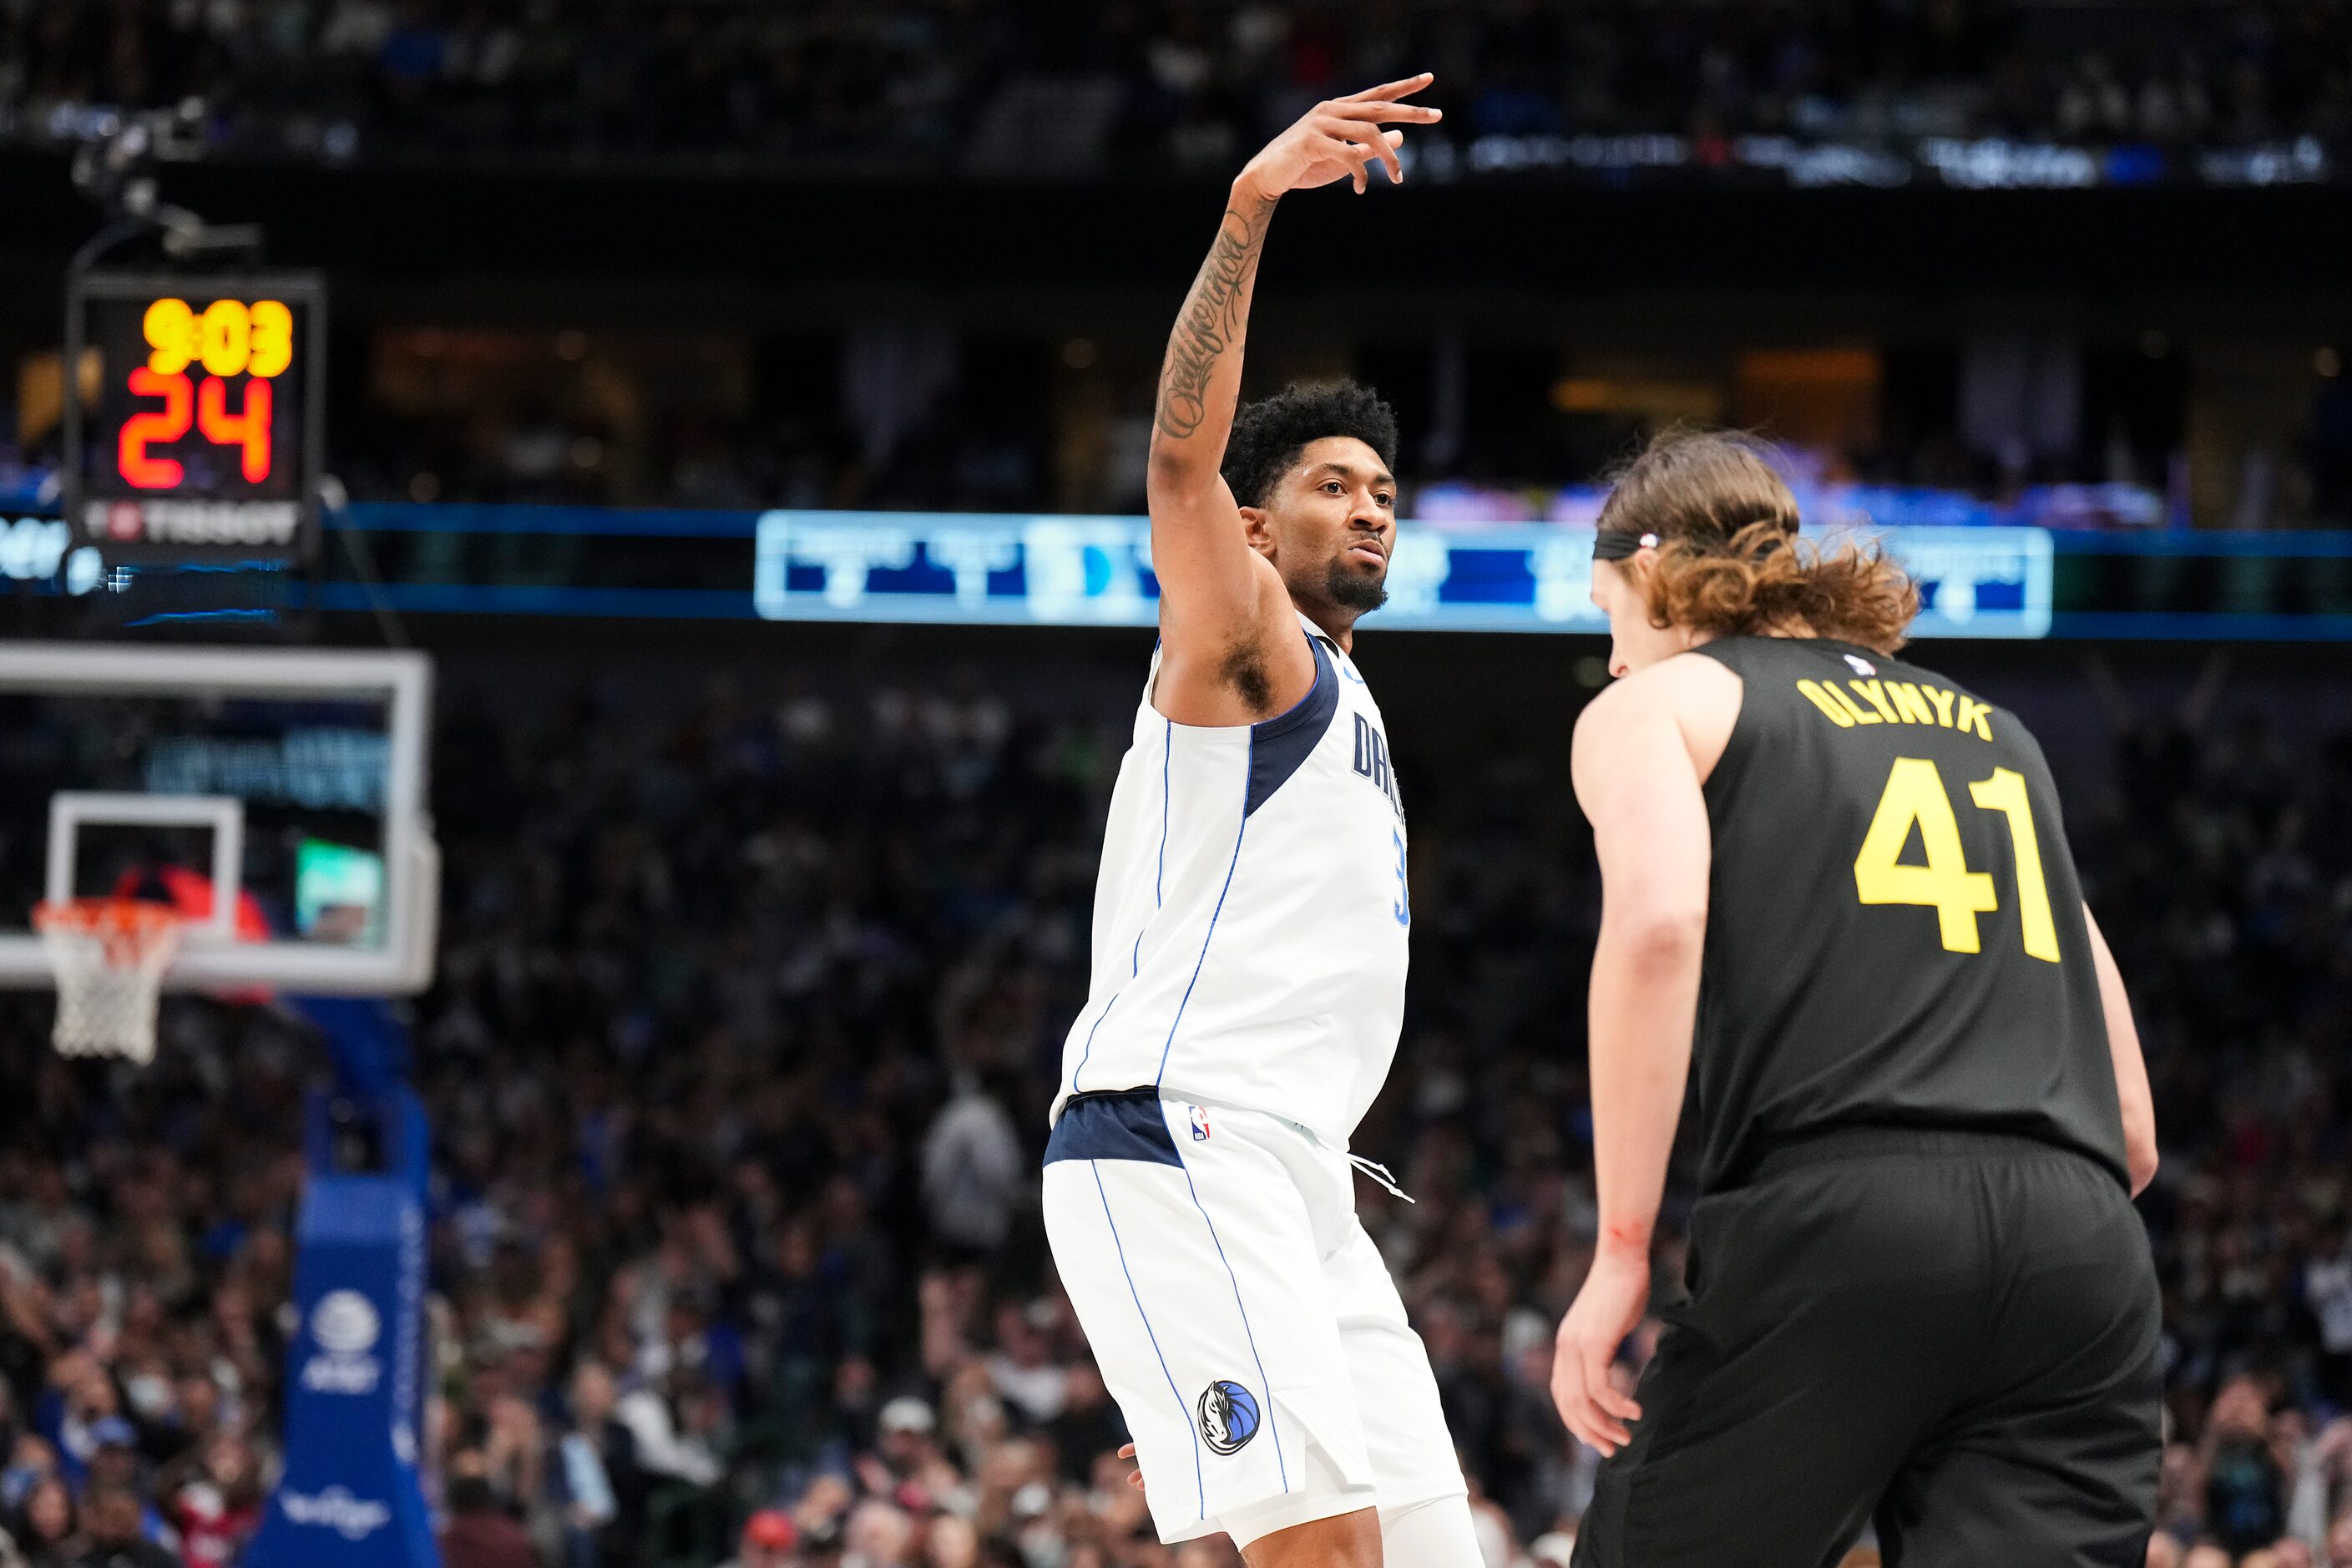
(1212, 320)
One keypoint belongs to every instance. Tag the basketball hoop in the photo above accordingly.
(108, 956)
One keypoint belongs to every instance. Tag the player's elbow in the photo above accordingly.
(2140, 1159)
(1663, 935)
(1170, 473)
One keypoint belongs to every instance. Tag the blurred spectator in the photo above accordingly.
(768, 1538)
(1019, 86)
(113, 1519)
(2245, 1483)
(1023, 1369)
(974, 1172)
(46, 1528)
(878, 1535)
(661, 1445)
(599, 1486)
(479, 1535)
(2327, 1291)
(219, 1507)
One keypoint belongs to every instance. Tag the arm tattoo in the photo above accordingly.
(1212, 319)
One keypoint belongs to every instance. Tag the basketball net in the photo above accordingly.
(108, 956)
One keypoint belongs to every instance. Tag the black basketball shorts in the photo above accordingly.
(1952, 1332)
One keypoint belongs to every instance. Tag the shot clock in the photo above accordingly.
(202, 440)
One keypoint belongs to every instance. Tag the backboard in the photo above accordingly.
(292, 778)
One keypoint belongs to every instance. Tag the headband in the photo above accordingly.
(1611, 545)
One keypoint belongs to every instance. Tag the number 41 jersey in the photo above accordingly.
(1251, 916)
(1895, 930)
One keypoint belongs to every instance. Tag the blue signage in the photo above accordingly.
(1096, 571)
(354, 1394)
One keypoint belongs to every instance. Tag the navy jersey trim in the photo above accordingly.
(1127, 1124)
(1280, 746)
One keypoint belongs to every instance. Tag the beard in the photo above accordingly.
(1352, 590)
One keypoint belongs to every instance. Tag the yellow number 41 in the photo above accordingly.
(1915, 796)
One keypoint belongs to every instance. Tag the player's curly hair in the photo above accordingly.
(1730, 560)
(1270, 434)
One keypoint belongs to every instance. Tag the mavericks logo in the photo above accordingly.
(1229, 1416)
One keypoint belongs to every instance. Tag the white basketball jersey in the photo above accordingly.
(1251, 916)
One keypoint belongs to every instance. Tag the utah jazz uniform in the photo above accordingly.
(1250, 933)
(1918, 1285)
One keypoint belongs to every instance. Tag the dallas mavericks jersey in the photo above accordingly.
(1251, 916)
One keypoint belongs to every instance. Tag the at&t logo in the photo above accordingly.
(345, 1326)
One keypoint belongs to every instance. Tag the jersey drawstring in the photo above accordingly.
(1378, 1174)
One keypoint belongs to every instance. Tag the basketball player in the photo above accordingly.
(1836, 889)
(1249, 959)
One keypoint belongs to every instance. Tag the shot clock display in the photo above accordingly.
(202, 441)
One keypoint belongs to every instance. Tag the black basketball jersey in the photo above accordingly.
(1895, 930)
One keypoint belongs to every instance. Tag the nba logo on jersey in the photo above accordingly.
(1200, 1124)
(1862, 666)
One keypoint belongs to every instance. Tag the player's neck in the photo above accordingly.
(1794, 626)
(1339, 624)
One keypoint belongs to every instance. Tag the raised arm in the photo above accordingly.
(1219, 598)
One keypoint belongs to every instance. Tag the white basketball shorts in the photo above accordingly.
(1242, 1318)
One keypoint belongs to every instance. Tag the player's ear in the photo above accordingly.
(1639, 570)
(1258, 528)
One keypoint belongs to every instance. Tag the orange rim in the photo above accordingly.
(129, 928)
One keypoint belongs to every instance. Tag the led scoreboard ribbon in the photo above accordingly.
(1443, 576)
(202, 441)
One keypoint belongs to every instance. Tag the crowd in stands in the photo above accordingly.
(1073, 88)
(750, 1004)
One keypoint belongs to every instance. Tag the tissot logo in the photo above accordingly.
(248, 523)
